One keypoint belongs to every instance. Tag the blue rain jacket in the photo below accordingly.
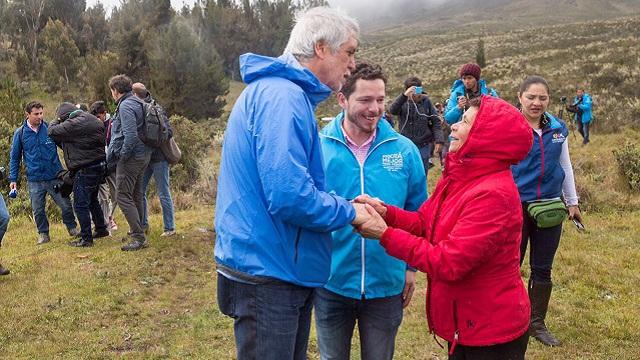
(39, 152)
(585, 106)
(453, 114)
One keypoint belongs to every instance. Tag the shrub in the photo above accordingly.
(628, 159)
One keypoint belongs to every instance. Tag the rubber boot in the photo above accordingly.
(4, 271)
(539, 294)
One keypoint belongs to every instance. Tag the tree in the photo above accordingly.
(27, 20)
(60, 55)
(189, 79)
(480, 58)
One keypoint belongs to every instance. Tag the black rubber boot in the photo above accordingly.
(4, 271)
(539, 294)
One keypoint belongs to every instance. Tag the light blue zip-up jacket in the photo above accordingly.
(453, 114)
(393, 172)
(273, 216)
(585, 107)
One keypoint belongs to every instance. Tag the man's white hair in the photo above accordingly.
(320, 24)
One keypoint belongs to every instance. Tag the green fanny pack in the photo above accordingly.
(547, 212)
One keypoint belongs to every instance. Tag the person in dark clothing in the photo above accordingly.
(446, 131)
(81, 137)
(418, 119)
(107, 191)
(159, 168)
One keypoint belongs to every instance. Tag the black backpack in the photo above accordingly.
(154, 131)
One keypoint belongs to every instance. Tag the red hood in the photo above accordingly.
(499, 138)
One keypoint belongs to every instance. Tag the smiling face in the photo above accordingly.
(460, 130)
(363, 108)
(335, 67)
(534, 101)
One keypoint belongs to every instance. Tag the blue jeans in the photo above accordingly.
(425, 154)
(378, 323)
(544, 245)
(160, 172)
(4, 218)
(271, 321)
(38, 191)
(85, 200)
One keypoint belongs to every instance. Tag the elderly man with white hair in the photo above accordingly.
(273, 216)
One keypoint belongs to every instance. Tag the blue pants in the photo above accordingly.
(425, 154)
(38, 191)
(160, 172)
(378, 323)
(271, 321)
(86, 186)
(4, 218)
(544, 245)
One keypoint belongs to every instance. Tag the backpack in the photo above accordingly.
(154, 129)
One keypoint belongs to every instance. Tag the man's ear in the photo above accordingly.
(321, 49)
(342, 100)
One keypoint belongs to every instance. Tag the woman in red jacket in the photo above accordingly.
(466, 237)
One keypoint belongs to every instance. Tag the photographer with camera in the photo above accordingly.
(4, 222)
(581, 107)
(418, 119)
(81, 137)
(467, 87)
(31, 143)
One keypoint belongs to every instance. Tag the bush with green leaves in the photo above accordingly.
(628, 159)
(194, 140)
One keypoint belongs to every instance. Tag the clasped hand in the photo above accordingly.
(369, 221)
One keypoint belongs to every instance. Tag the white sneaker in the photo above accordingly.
(168, 233)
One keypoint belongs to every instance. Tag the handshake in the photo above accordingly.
(370, 213)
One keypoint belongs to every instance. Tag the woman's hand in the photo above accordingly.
(574, 213)
(376, 203)
(374, 227)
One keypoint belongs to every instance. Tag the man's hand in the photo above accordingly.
(574, 213)
(410, 91)
(437, 149)
(462, 102)
(13, 186)
(374, 226)
(376, 203)
(409, 287)
(362, 215)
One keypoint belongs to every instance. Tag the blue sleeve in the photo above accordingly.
(417, 183)
(586, 103)
(129, 126)
(285, 138)
(16, 156)
(452, 113)
(494, 93)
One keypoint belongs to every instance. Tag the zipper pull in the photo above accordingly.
(456, 335)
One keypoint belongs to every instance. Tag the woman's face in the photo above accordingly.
(460, 130)
(535, 101)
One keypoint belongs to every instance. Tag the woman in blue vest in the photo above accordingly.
(546, 173)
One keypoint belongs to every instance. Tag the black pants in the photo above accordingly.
(544, 245)
(513, 350)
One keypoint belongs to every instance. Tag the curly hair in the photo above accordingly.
(364, 71)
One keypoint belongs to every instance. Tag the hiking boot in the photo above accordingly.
(75, 232)
(539, 294)
(100, 234)
(43, 238)
(4, 271)
(168, 233)
(81, 243)
(135, 244)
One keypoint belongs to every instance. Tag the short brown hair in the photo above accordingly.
(412, 81)
(120, 83)
(364, 71)
(33, 105)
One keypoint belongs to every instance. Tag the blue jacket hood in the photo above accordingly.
(286, 66)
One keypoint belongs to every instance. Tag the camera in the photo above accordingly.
(563, 99)
(418, 89)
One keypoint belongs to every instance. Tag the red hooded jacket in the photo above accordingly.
(466, 237)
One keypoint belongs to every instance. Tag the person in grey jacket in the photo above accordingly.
(130, 156)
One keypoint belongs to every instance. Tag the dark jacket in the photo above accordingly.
(418, 121)
(39, 153)
(127, 121)
(81, 139)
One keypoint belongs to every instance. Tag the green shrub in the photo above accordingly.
(194, 141)
(628, 159)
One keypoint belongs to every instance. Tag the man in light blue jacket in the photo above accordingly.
(273, 215)
(582, 104)
(467, 87)
(366, 156)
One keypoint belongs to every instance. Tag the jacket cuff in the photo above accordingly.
(390, 216)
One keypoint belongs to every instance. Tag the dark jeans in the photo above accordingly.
(4, 218)
(38, 191)
(378, 323)
(425, 154)
(583, 129)
(129, 175)
(544, 244)
(271, 321)
(513, 350)
(86, 186)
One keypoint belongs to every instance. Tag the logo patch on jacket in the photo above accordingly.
(558, 138)
(392, 162)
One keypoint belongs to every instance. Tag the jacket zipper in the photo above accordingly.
(362, 239)
(456, 334)
(541, 165)
(295, 256)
